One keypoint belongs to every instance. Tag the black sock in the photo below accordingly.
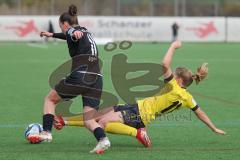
(99, 133)
(48, 122)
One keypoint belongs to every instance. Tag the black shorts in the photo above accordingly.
(89, 85)
(131, 116)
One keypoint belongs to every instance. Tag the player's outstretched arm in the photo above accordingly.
(54, 35)
(166, 62)
(45, 34)
(204, 118)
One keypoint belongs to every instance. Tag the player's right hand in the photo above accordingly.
(78, 34)
(46, 34)
(176, 44)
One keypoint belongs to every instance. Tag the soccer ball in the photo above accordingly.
(32, 129)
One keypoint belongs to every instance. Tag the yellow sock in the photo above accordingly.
(74, 118)
(119, 128)
(112, 127)
(75, 123)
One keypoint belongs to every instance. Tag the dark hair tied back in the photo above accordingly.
(72, 10)
(70, 16)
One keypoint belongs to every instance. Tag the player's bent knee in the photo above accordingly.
(88, 123)
(102, 123)
(91, 124)
(53, 99)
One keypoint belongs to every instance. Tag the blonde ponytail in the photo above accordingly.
(201, 74)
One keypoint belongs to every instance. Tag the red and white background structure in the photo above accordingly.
(191, 29)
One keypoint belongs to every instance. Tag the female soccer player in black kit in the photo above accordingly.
(85, 79)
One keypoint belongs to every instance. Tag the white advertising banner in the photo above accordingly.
(155, 29)
(233, 29)
(23, 28)
(192, 29)
(202, 29)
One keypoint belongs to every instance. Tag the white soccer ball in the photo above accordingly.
(32, 129)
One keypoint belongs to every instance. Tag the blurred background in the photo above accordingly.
(117, 20)
(124, 7)
(135, 20)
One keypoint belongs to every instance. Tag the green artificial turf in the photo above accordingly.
(25, 70)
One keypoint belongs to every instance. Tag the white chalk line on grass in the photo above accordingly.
(13, 125)
(139, 60)
(155, 124)
(38, 45)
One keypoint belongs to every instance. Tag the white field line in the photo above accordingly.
(38, 45)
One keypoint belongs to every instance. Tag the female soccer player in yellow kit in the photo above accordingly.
(131, 119)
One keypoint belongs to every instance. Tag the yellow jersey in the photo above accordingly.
(171, 97)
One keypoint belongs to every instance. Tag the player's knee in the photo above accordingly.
(46, 99)
(88, 124)
(52, 99)
(102, 123)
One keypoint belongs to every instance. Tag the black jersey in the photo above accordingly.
(85, 45)
(85, 78)
(83, 51)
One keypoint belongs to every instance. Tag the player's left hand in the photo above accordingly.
(78, 34)
(46, 34)
(219, 131)
(176, 44)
